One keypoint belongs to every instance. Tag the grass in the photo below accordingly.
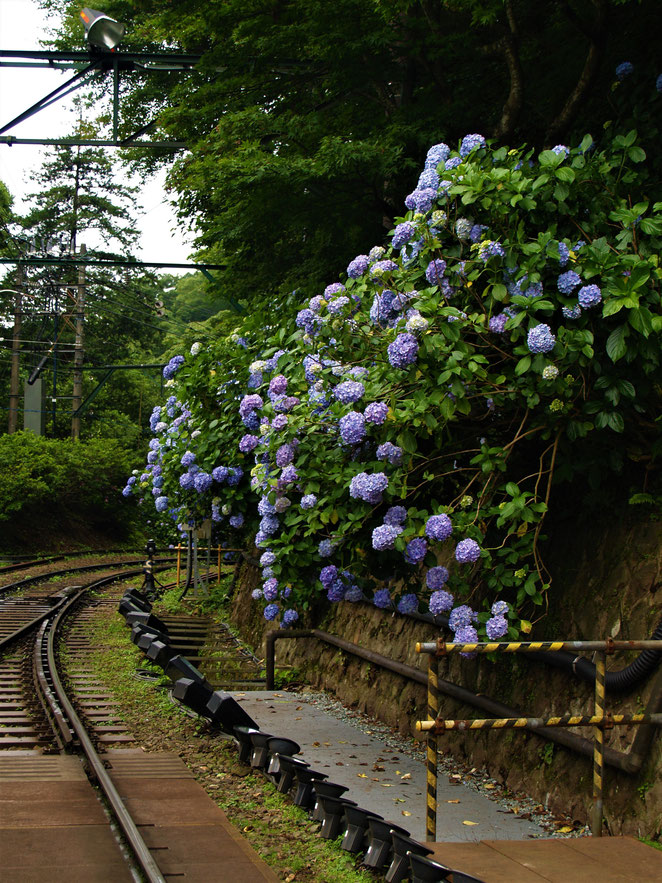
(280, 832)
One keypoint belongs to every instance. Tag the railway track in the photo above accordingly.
(66, 763)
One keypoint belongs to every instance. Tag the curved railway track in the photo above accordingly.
(37, 710)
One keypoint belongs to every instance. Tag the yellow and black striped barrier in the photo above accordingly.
(600, 720)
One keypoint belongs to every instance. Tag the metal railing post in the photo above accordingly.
(432, 750)
(598, 744)
(179, 562)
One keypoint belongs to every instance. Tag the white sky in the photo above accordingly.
(22, 25)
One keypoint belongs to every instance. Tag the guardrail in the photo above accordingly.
(600, 720)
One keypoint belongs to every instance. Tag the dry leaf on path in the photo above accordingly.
(467, 822)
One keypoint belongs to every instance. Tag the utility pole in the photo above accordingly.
(14, 394)
(78, 350)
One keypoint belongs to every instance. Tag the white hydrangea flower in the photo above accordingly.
(195, 349)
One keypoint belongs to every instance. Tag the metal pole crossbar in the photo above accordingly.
(600, 720)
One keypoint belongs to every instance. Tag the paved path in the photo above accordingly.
(378, 777)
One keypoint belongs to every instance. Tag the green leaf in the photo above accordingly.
(641, 320)
(565, 173)
(523, 365)
(615, 422)
(636, 154)
(616, 346)
(611, 307)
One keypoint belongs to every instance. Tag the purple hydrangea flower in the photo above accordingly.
(540, 339)
(390, 452)
(282, 504)
(264, 507)
(395, 515)
(384, 536)
(248, 443)
(466, 634)
(267, 558)
(250, 402)
(471, 142)
(436, 577)
(352, 428)
(333, 289)
(173, 367)
(368, 487)
(496, 627)
(564, 254)
(161, 504)
(416, 550)
(235, 475)
(269, 525)
(349, 391)
(338, 305)
(285, 454)
(438, 527)
(289, 616)
(467, 551)
(561, 150)
(381, 267)
(498, 323)
(461, 616)
(358, 266)
(489, 248)
(270, 589)
(309, 501)
(499, 608)
(428, 179)
(440, 602)
(568, 281)
(288, 476)
(271, 612)
(328, 574)
(187, 458)
(421, 200)
(402, 234)
(279, 422)
(236, 521)
(476, 232)
(376, 413)
(336, 591)
(589, 296)
(382, 599)
(278, 385)
(435, 271)
(186, 481)
(256, 594)
(408, 603)
(403, 351)
(453, 162)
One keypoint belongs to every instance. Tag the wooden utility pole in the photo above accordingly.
(78, 350)
(14, 381)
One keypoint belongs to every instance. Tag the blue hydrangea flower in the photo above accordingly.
(461, 616)
(248, 443)
(428, 179)
(496, 628)
(173, 366)
(658, 83)
(236, 521)
(376, 413)
(573, 312)
(623, 70)
(270, 589)
(403, 351)
(267, 558)
(352, 428)
(380, 268)
(256, 594)
(334, 289)
(161, 504)
(235, 475)
(349, 391)
(336, 591)
(289, 616)
(395, 515)
(285, 454)
(499, 608)
(368, 487)
(540, 339)
(435, 271)
(271, 612)
(466, 634)
(269, 525)
(358, 266)
(471, 142)
(278, 384)
(561, 150)
(453, 162)
(497, 323)
(288, 476)
(436, 577)
(416, 550)
(408, 603)
(390, 452)
(564, 254)
(328, 574)
(440, 602)
(463, 228)
(489, 248)
(384, 536)
(467, 551)
(338, 305)
(438, 527)
(568, 281)
(589, 296)
(421, 200)
(438, 153)
(476, 232)
(309, 501)
(202, 482)
(325, 548)
(186, 481)
(220, 474)
(382, 599)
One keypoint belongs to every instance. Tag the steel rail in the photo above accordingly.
(123, 816)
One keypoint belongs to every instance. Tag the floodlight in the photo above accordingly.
(101, 31)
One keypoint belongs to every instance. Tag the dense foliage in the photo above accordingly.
(52, 485)
(399, 435)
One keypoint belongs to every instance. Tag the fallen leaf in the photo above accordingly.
(566, 829)
(342, 741)
(385, 785)
(248, 829)
(298, 708)
(490, 787)
(290, 878)
(405, 812)
(298, 718)
(467, 822)
(406, 776)
(316, 744)
(362, 775)
(378, 769)
(399, 800)
(339, 763)
(452, 801)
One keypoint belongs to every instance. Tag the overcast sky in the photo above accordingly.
(22, 25)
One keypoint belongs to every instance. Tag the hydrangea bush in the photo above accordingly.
(398, 436)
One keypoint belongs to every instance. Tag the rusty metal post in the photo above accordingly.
(218, 578)
(79, 354)
(432, 749)
(598, 744)
(14, 385)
